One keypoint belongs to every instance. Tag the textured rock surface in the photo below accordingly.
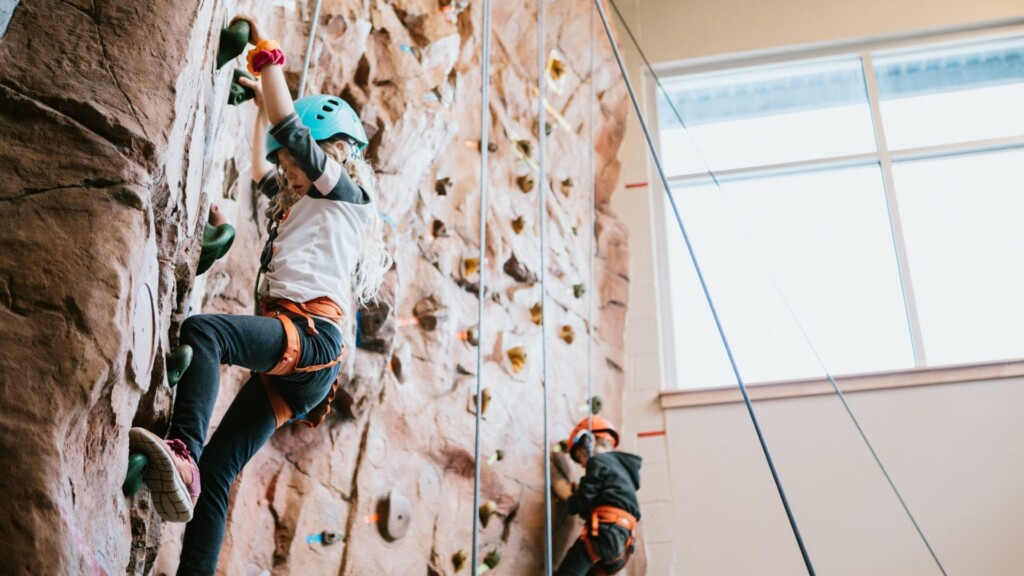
(110, 165)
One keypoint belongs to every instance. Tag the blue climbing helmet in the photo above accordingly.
(326, 116)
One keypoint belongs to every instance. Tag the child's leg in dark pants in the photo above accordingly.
(254, 342)
(246, 426)
(576, 562)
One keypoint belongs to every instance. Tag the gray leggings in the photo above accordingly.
(256, 343)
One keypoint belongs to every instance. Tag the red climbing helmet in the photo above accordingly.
(600, 427)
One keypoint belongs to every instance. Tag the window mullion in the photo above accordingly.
(885, 163)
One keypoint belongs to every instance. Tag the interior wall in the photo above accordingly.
(709, 503)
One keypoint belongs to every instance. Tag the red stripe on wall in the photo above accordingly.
(650, 434)
(636, 185)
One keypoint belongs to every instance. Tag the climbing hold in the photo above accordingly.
(493, 558)
(397, 515)
(428, 313)
(138, 463)
(595, 405)
(485, 401)
(473, 336)
(232, 42)
(517, 356)
(518, 224)
(567, 334)
(239, 93)
(492, 147)
(326, 538)
(525, 183)
(459, 560)
(216, 243)
(373, 332)
(487, 509)
(567, 185)
(400, 358)
(470, 266)
(443, 186)
(556, 69)
(578, 290)
(560, 447)
(439, 230)
(537, 313)
(177, 362)
(507, 521)
(498, 455)
(514, 268)
(575, 231)
(523, 147)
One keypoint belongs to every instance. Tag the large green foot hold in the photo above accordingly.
(177, 363)
(137, 465)
(238, 92)
(232, 42)
(216, 243)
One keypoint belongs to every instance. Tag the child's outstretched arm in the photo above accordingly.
(260, 166)
(276, 97)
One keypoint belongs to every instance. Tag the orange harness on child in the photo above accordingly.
(285, 311)
(608, 515)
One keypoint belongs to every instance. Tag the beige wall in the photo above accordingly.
(710, 507)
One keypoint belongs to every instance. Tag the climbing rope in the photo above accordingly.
(704, 288)
(778, 289)
(593, 232)
(309, 47)
(542, 177)
(485, 124)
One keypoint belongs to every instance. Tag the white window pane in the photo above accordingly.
(763, 116)
(826, 238)
(946, 95)
(963, 222)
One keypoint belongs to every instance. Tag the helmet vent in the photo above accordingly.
(328, 108)
(320, 117)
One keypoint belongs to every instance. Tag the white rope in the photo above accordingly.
(541, 147)
(485, 124)
(309, 48)
(593, 233)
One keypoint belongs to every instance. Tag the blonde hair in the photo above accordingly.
(374, 259)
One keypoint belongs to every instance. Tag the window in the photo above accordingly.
(871, 202)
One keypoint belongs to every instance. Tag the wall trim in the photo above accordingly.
(852, 383)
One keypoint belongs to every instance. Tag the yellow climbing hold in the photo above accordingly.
(517, 356)
(487, 509)
(537, 313)
(567, 334)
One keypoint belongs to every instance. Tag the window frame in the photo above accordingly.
(922, 373)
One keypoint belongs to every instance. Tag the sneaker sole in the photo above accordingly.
(170, 495)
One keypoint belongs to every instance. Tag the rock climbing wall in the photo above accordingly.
(116, 140)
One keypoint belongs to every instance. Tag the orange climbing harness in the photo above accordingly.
(608, 515)
(286, 311)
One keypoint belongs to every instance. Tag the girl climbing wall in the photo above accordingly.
(325, 243)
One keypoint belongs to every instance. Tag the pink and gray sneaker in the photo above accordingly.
(172, 477)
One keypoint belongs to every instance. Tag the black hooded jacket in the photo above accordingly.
(612, 479)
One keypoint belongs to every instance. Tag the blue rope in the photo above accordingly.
(707, 293)
(778, 289)
(485, 124)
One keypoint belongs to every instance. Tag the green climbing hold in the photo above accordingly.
(232, 42)
(177, 362)
(238, 92)
(216, 243)
(137, 465)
